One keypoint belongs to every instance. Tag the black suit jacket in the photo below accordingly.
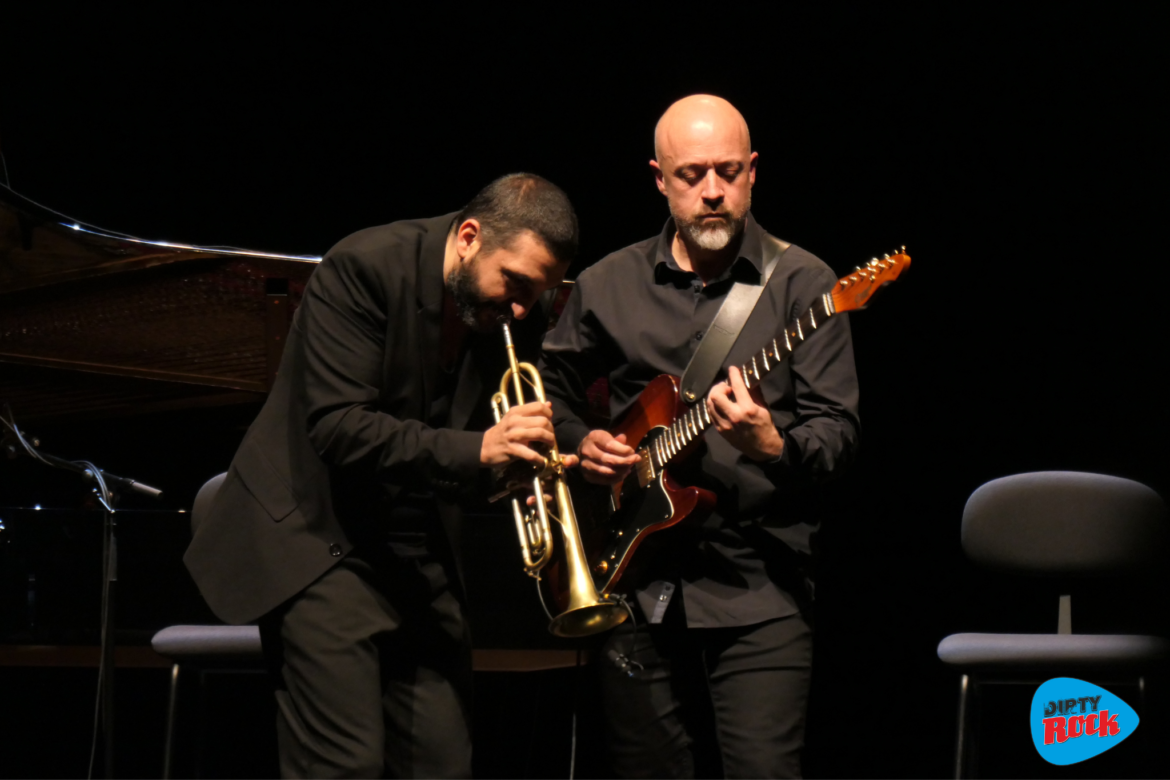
(343, 431)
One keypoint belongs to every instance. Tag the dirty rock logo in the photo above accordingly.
(1073, 720)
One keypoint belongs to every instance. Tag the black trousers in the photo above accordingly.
(708, 702)
(372, 670)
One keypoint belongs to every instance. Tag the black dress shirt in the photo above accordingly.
(635, 315)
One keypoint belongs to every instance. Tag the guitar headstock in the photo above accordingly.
(854, 290)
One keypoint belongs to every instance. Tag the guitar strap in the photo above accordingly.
(717, 342)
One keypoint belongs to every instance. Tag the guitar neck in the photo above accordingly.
(783, 345)
(696, 420)
(852, 292)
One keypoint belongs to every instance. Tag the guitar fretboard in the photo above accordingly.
(660, 450)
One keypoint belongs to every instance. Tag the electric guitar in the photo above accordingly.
(664, 431)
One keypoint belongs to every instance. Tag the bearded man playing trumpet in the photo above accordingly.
(714, 678)
(336, 525)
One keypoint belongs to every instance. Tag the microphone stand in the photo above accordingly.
(14, 442)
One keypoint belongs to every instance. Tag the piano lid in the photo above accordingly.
(93, 322)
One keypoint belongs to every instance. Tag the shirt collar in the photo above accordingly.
(748, 265)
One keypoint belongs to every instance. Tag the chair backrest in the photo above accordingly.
(204, 499)
(1065, 523)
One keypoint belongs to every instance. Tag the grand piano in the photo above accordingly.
(94, 322)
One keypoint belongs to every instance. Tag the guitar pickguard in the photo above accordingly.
(642, 511)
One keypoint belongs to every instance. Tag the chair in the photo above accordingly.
(203, 646)
(1060, 524)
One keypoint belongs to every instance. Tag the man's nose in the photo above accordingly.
(712, 186)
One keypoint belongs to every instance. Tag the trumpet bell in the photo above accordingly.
(587, 619)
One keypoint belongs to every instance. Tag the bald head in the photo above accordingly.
(706, 168)
(699, 121)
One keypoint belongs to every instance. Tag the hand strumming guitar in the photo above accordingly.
(605, 459)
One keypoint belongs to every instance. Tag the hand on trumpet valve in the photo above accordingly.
(511, 439)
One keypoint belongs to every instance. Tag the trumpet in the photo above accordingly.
(581, 610)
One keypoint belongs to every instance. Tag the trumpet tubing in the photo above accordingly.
(582, 611)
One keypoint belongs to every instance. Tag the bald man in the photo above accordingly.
(714, 678)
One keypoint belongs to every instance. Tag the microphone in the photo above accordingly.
(126, 484)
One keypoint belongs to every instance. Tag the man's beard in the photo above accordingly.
(712, 235)
(472, 306)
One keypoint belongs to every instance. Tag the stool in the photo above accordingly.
(232, 646)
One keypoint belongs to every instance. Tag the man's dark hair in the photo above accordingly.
(524, 201)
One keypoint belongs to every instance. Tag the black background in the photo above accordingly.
(1020, 156)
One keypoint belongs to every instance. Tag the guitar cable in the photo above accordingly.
(623, 661)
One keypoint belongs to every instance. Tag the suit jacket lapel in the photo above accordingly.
(471, 380)
(430, 305)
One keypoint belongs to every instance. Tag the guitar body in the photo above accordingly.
(641, 506)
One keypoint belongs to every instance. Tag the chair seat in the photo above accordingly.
(208, 641)
(1008, 650)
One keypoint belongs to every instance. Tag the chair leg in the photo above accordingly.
(172, 704)
(961, 736)
(1145, 743)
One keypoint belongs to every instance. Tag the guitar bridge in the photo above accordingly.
(645, 467)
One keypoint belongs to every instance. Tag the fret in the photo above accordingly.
(764, 357)
(799, 332)
(812, 318)
(787, 343)
(706, 414)
(755, 368)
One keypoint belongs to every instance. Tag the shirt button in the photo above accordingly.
(335, 550)
(698, 335)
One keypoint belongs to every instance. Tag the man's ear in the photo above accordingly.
(658, 176)
(752, 168)
(468, 238)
